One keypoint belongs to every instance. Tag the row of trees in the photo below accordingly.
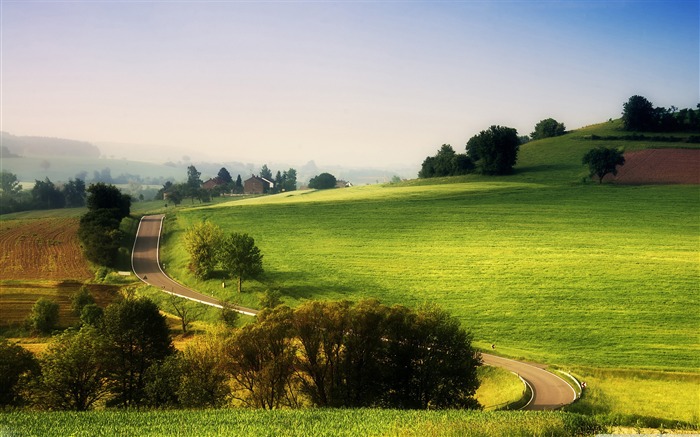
(99, 230)
(325, 354)
(236, 253)
(44, 195)
(284, 181)
(493, 151)
(639, 114)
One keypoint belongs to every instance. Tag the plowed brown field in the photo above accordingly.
(41, 249)
(659, 166)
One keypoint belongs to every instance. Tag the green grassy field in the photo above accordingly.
(312, 422)
(585, 275)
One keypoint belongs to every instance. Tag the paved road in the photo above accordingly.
(145, 261)
(549, 391)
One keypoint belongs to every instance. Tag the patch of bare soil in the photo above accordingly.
(42, 249)
(659, 166)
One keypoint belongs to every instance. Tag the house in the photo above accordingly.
(213, 183)
(342, 184)
(257, 185)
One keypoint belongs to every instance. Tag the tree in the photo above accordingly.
(238, 188)
(225, 176)
(204, 380)
(323, 181)
(261, 357)
(266, 173)
(108, 198)
(186, 311)
(240, 257)
(547, 128)
(202, 242)
(430, 362)
(446, 163)
(603, 160)
(46, 195)
(91, 314)
(74, 370)
(139, 337)
(495, 150)
(100, 236)
(17, 365)
(9, 184)
(44, 315)
(290, 180)
(80, 299)
(638, 114)
(74, 192)
(163, 380)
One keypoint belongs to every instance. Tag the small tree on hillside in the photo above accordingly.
(638, 114)
(603, 160)
(201, 242)
(240, 257)
(44, 315)
(547, 128)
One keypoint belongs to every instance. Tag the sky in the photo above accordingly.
(371, 84)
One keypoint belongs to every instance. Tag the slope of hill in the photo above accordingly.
(44, 146)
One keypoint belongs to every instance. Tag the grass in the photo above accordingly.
(311, 422)
(498, 388)
(578, 275)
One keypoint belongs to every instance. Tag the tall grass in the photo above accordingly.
(313, 422)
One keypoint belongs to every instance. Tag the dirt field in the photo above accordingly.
(659, 166)
(17, 299)
(41, 249)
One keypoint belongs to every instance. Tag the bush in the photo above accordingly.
(44, 316)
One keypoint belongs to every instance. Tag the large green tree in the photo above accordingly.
(202, 242)
(446, 163)
(9, 184)
(323, 181)
(44, 315)
(547, 128)
(603, 160)
(638, 114)
(75, 370)
(106, 197)
(45, 195)
(240, 257)
(494, 150)
(138, 337)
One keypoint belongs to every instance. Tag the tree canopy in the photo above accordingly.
(494, 150)
(240, 257)
(446, 163)
(202, 241)
(603, 160)
(547, 128)
(323, 181)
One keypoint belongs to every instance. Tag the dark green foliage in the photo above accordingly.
(138, 337)
(163, 380)
(446, 163)
(100, 236)
(44, 316)
(74, 192)
(108, 197)
(80, 299)
(74, 370)
(45, 195)
(322, 181)
(17, 365)
(547, 128)
(603, 160)
(639, 114)
(240, 257)
(204, 375)
(494, 150)
(91, 314)
(228, 316)
(225, 176)
(238, 187)
(266, 173)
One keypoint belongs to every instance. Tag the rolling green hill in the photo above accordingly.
(545, 266)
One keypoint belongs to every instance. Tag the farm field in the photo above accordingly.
(311, 422)
(45, 248)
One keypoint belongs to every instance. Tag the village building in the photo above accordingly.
(213, 183)
(257, 185)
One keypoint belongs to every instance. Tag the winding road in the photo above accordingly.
(549, 391)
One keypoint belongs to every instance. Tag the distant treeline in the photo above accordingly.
(44, 195)
(695, 139)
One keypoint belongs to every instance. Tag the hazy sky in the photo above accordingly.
(352, 83)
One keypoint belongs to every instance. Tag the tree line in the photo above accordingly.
(324, 354)
(43, 195)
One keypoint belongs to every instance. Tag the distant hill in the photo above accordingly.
(43, 146)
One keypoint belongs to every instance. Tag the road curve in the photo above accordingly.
(145, 261)
(549, 391)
